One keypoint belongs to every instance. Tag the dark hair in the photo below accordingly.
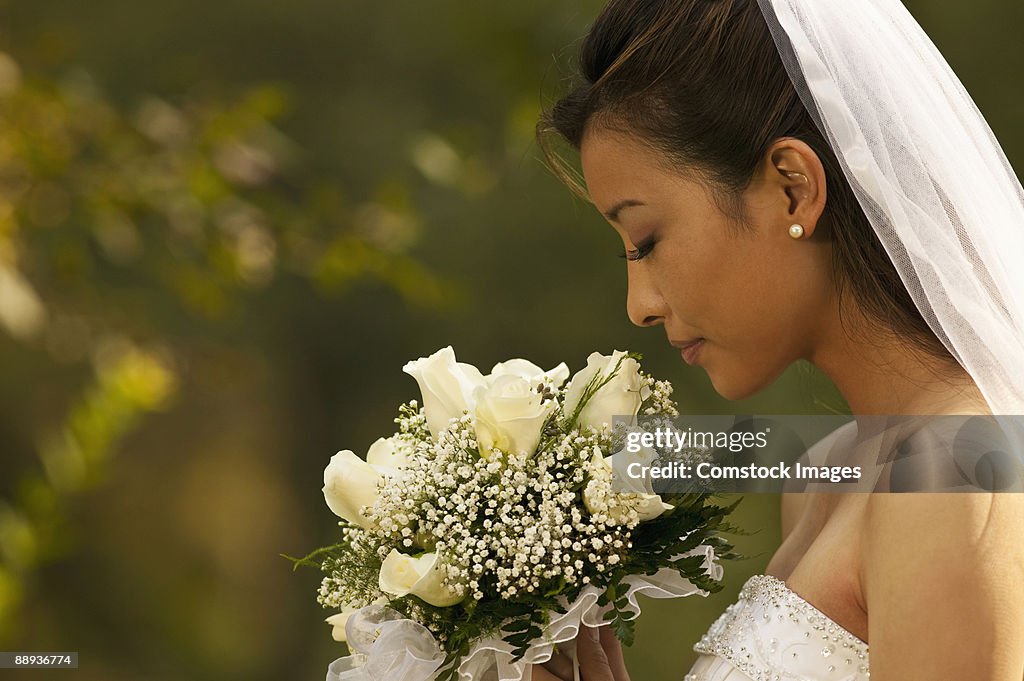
(702, 83)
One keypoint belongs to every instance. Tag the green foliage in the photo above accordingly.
(204, 201)
(119, 225)
(318, 558)
(75, 457)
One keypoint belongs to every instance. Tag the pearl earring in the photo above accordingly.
(796, 231)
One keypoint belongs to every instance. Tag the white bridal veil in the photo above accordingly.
(927, 171)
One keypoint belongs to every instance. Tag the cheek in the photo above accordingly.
(742, 294)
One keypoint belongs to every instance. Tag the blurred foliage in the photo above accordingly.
(118, 226)
(32, 529)
(224, 227)
(194, 202)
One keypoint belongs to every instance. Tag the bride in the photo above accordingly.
(807, 179)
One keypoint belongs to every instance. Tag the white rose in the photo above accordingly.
(531, 372)
(338, 623)
(509, 415)
(620, 396)
(628, 492)
(446, 385)
(386, 453)
(351, 483)
(402, 575)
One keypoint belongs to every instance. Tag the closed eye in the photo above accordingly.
(639, 252)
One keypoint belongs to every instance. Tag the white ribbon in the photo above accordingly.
(390, 648)
(387, 647)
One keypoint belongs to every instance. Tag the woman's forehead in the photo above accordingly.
(621, 171)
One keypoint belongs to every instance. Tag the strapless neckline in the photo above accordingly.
(772, 633)
(770, 582)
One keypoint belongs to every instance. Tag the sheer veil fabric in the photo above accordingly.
(927, 170)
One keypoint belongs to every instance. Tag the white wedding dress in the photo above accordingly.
(772, 634)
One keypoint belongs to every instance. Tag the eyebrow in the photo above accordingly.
(613, 214)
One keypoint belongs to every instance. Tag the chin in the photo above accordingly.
(734, 388)
(734, 393)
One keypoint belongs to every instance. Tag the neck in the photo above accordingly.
(879, 373)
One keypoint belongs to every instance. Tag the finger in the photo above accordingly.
(593, 660)
(613, 649)
(539, 673)
(560, 664)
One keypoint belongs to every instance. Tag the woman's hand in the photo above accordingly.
(599, 653)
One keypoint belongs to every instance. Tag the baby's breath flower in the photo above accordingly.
(509, 526)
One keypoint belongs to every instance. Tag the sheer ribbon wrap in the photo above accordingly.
(926, 169)
(387, 647)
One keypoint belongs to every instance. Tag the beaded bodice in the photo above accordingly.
(772, 634)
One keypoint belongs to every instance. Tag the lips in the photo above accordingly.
(689, 349)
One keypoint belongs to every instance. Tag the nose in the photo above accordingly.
(644, 304)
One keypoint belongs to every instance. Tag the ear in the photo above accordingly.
(797, 176)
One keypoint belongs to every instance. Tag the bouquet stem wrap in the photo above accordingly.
(387, 647)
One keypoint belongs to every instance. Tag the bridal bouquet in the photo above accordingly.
(487, 530)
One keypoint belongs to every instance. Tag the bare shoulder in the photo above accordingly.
(952, 452)
(943, 577)
(964, 520)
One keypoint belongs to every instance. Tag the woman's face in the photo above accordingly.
(758, 297)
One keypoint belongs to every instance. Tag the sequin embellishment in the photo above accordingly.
(772, 634)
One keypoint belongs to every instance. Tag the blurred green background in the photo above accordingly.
(224, 227)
